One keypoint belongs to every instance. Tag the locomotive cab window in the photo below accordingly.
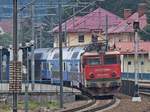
(111, 59)
(93, 61)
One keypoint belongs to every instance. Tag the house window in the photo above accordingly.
(129, 62)
(63, 37)
(81, 38)
(94, 38)
(142, 62)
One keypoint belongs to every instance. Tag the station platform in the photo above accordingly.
(38, 88)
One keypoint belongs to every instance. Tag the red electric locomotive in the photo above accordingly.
(102, 71)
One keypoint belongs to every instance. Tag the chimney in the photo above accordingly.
(141, 9)
(127, 13)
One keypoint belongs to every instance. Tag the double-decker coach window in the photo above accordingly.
(74, 55)
(110, 59)
(44, 65)
(93, 61)
(37, 56)
(56, 55)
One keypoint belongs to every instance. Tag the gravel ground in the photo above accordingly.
(73, 105)
(126, 105)
(80, 103)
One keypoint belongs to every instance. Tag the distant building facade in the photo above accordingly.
(87, 29)
(124, 31)
(127, 59)
(79, 30)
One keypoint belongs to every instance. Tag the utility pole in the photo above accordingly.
(40, 36)
(32, 49)
(27, 80)
(65, 35)
(15, 53)
(60, 52)
(106, 33)
(73, 18)
(1, 60)
(136, 97)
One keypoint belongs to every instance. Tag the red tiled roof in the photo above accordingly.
(127, 25)
(69, 24)
(128, 47)
(6, 25)
(92, 21)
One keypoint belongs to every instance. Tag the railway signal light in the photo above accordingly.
(136, 25)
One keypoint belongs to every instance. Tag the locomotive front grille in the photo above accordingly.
(102, 84)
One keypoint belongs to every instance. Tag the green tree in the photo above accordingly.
(25, 32)
(5, 39)
(145, 33)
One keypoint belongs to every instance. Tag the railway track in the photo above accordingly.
(93, 106)
(144, 88)
(144, 91)
(93, 103)
(99, 106)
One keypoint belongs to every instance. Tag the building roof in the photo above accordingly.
(69, 24)
(92, 21)
(128, 47)
(6, 25)
(127, 25)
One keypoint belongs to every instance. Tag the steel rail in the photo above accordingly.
(144, 91)
(94, 109)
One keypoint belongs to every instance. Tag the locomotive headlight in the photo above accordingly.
(113, 74)
(92, 76)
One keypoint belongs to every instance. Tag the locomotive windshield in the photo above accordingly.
(110, 59)
(93, 61)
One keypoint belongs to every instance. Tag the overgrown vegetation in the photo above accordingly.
(33, 105)
(4, 107)
(145, 33)
(48, 22)
(5, 40)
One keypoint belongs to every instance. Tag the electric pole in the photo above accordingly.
(15, 54)
(106, 33)
(60, 52)
(32, 49)
(136, 97)
(65, 35)
(41, 28)
(27, 81)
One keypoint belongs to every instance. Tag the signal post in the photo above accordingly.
(15, 66)
(136, 97)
